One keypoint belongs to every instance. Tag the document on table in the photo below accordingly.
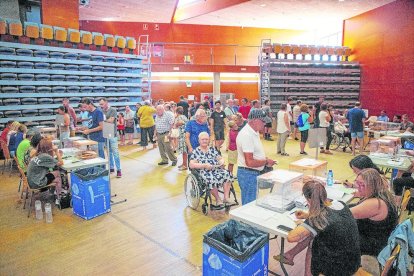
(307, 162)
(334, 193)
(91, 161)
(262, 214)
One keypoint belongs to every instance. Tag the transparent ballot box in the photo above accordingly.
(279, 189)
(384, 127)
(383, 147)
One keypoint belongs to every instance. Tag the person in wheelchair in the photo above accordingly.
(210, 166)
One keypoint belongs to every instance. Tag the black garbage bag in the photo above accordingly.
(236, 239)
(91, 173)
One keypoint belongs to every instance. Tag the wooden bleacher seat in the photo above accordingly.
(15, 27)
(86, 37)
(109, 40)
(120, 41)
(74, 36)
(31, 30)
(98, 39)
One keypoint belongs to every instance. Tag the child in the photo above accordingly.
(120, 126)
(232, 153)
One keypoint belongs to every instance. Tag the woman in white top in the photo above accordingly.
(324, 121)
(283, 129)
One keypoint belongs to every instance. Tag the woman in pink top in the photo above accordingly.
(232, 153)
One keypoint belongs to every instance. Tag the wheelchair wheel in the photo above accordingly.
(336, 141)
(204, 208)
(192, 191)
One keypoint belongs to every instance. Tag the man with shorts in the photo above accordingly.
(217, 124)
(356, 118)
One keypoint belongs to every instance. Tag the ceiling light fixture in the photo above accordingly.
(263, 5)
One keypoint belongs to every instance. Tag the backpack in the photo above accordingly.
(300, 122)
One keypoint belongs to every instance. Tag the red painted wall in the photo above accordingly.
(383, 42)
(172, 91)
(62, 13)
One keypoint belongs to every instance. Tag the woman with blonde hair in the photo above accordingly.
(329, 232)
(376, 212)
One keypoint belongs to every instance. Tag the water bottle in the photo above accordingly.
(38, 210)
(48, 213)
(329, 179)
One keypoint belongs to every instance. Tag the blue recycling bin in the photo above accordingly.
(235, 248)
(90, 192)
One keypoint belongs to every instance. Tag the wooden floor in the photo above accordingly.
(153, 233)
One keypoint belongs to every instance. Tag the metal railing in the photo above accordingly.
(204, 54)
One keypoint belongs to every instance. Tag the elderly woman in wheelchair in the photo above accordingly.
(207, 163)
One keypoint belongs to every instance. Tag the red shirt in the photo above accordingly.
(4, 133)
(232, 139)
(245, 110)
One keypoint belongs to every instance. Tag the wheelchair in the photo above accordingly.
(339, 140)
(196, 189)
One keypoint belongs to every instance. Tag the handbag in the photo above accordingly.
(175, 133)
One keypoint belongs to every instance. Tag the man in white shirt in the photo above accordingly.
(229, 111)
(251, 155)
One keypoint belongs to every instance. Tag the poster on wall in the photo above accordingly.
(158, 50)
(191, 97)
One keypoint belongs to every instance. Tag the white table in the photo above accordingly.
(70, 166)
(268, 221)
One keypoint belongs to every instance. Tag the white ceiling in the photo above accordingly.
(278, 14)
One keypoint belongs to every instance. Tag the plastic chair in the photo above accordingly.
(73, 36)
(60, 34)
(3, 26)
(46, 32)
(120, 41)
(21, 182)
(15, 27)
(390, 261)
(6, 153)
(109, 40)
(31, 30)
(131, 43)
(86, 37)
(98, 39)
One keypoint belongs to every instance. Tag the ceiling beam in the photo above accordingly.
(203, 7)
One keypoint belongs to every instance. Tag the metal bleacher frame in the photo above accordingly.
(137, 72)
(306, 80)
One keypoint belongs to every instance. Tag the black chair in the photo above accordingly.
(29, 112)
(122, 80)
(97, 68)
(98, 79)
(41, 65)
(98, 89)
(110, 89)
(85, 67)
(45, 112)
(58, 55)
(123, 99)
(57, 66)
(57, 77)
(86, 89)
(110, 79)
(25, 64)
(122, 89)
(85, 78)
(112, 99)
(97, 58)
(59, 89)
(7, 64)
(7, 51)
(57, 100)
(42, 77)
(121, 60)
(27, 89)
(28, 101)
(12, 113)
(110, 69)
(45, 100)
(73, 89)
(43, 89)
(10, 89)
(121, 70)
(41, 53)
(24, 52)
(74, 100)
(72, 78)
(84, 57)
(72, 67)
(109, 59)
(72, 56)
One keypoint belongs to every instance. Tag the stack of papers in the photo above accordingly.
(307, 162)
(334, 194)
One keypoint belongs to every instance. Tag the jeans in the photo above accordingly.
(248, 184)
(114, 154)
(101, 149)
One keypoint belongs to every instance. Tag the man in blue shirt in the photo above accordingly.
(95, 125)
(356, 118)
(194, 127)
(383, 117)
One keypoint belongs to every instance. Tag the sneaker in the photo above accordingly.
(174, 163)
(112, 170)
(118, 174)
(296, 139)
(163, 163)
